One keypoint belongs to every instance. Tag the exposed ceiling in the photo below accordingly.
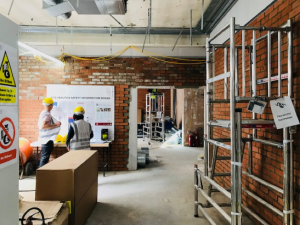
(169, 18)
(165, 13)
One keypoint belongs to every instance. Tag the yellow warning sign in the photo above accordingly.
(7, 95)
(6, 75)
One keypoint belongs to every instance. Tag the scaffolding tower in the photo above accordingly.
(154, 128)
(237, 123)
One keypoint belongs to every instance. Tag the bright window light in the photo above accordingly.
(37, 52)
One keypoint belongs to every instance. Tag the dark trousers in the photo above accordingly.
(46, 152)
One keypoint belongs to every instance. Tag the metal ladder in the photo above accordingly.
(154, 132)
(236, 124)
(216, 158)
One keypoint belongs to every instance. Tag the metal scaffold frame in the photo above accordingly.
(237, 123)
(154, 128)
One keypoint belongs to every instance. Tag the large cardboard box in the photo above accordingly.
(71, 177)
(55, 213)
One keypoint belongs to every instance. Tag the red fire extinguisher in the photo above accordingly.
(191, 139)
(196, 139)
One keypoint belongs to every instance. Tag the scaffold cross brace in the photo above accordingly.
(236, 214)
(236, 164)
(288, 212)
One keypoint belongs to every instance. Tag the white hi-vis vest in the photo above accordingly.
(81, 138)
(46, 135)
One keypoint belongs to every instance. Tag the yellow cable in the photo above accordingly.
(198, 60)
(138, 50)
(118, 53)
(39, 58)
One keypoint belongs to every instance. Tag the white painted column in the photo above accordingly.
(9, 171)
(132, 159)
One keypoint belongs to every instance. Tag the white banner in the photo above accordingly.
(97, 101)
(284, 113)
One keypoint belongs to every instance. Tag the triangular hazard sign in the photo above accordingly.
(6, 74)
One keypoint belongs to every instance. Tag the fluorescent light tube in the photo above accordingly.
(35, 51)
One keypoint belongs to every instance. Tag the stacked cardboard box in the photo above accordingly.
(55, 213)
(71, 177)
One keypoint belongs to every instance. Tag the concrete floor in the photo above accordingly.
(161, 194)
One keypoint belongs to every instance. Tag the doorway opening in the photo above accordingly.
(167, 116)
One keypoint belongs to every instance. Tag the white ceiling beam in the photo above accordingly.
(96, 51)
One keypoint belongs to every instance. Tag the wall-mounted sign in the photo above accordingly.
(8, 133)
(8, 75)
(257, 106)
(97, 101)
(284, 112)
(9, 122)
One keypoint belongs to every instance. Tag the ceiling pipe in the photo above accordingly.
(149, 19)
(191, 27)
(105, 30)
(149, 22)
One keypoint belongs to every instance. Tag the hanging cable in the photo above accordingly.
(151, 55)
(197, 60)
(171, 62)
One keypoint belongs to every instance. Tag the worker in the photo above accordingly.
(80, 132)
(49, 128)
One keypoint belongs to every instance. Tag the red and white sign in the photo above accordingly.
(7, 133)
(7, 156)
(8, 136)
(274, 78)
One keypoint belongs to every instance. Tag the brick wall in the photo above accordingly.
(123, 73)
(267, 160)
(142, 100)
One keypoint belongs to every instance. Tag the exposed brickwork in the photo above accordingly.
(142, 100)
(267, 160)
(123, 73)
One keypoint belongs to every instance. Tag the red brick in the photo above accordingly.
(108, 73)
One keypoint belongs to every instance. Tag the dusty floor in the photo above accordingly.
(161, 194)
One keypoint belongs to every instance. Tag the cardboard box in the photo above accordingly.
(71, 177)
(57, 213)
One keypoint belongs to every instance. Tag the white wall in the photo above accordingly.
(243, 11)
(179, 107)
(132, 159)
(9, 179)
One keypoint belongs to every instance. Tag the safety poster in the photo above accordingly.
(97, 101)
